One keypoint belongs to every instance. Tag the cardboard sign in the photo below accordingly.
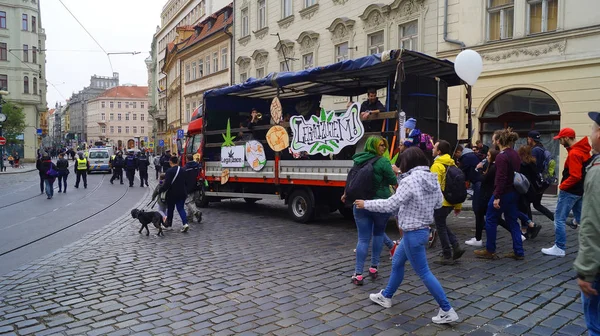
(232, 156)
(326, 134)
(255, 155)
(278, 138)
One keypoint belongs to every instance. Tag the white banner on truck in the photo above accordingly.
(233, 156)
(326, 134)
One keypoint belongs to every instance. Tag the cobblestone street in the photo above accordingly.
(248, 270)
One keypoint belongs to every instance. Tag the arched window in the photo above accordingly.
(35, 88)
(523, 110)
(26, 84)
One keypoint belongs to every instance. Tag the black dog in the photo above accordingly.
(147, 217)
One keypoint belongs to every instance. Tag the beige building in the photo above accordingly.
(198, 60)
(23, 66)
(541, 61)
(120, 117)
(175, 14)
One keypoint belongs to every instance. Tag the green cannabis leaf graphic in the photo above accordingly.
(227, 137)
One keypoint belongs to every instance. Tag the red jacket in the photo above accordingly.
(572, 173)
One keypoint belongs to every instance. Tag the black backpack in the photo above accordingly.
(455, 191)
(359, 183)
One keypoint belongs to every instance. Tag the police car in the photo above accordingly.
(99, 158)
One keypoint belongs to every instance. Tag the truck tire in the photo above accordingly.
(251, 200)
(301, 206)
(200, 199)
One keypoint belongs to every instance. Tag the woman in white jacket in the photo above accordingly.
(417, 196)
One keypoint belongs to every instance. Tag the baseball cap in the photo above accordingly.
(595, 116)
(535, 135)
(565, 133)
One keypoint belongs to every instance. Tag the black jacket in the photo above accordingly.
(143, 163)
(175, 189)
(487, 184)
(62, 165)
(45, 165)
(131, 162)
(192, 169)
(164, 162)
(38, 166)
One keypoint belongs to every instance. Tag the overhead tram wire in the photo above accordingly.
(32, 69)
(82, 26)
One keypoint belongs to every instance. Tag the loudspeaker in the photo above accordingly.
(419, 98)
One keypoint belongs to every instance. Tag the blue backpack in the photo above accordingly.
(52, 172)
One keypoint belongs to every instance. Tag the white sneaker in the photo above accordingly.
(554, 251)
(381, 300)
(185, 228)
(445, 317)
(523, 238)
(474, 242)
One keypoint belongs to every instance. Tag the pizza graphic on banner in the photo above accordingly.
(276, 111)
(278, 138)
(255, 155)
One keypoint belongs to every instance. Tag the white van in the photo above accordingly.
(99, 159)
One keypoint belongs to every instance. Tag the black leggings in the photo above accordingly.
(480, 219)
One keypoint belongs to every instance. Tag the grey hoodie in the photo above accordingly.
(417, 196)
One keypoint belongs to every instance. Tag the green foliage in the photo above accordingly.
(15, 121)
(228, 138)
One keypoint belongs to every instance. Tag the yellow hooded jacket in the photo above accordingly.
(439, 168)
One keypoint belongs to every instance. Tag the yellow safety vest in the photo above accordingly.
(81, 164)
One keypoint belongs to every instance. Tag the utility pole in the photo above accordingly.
(2, 120)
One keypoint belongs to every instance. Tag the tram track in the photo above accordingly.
(61, 229)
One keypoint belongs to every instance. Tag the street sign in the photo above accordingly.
(145, 139)
(161, 143)
(39, 131)
(180, 134)
(2, 141)
(151, 145)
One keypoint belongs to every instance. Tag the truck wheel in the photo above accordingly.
(200, 199)
(251, 200)
(301, 206)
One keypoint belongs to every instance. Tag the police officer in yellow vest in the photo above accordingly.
(81, 168)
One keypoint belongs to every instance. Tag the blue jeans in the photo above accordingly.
(49, 184)
(412, 248)
(369, 224)
(180, 208)
(566, 202)
(508, 207)
(591, 310)
(387, 241)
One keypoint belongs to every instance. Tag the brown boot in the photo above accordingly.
(485, 254)
(514, 256)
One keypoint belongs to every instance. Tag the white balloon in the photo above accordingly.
(468, 66)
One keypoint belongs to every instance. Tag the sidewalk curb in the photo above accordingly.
(26, 170)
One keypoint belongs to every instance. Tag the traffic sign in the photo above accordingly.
(2, 141)
(39, 131)
(161, 143)
(180, 134)
(151, 145)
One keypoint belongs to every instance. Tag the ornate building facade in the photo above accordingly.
(540, 64)
(291, 35)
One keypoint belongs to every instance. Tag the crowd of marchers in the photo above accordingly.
(506, 181)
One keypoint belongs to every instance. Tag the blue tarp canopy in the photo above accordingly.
(346, 78)
(300, 92)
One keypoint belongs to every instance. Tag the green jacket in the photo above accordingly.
(384, 176)
(587, 263)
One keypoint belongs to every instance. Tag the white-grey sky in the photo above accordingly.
(118, 25)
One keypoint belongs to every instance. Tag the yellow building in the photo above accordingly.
(541, 62)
